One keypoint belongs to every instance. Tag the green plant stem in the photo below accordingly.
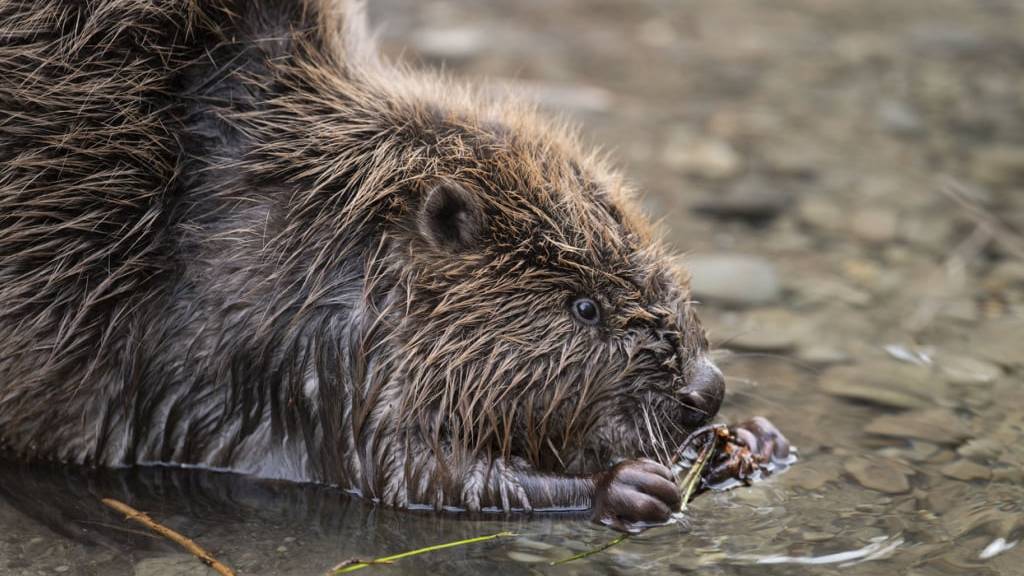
(591, 552)
(359, 565)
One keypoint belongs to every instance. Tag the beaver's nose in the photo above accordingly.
(704, 391)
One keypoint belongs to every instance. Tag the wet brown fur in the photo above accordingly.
(218, 247)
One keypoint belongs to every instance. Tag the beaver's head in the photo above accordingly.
(539, 318)
(517, 301)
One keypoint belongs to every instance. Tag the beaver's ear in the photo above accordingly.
(450, 216)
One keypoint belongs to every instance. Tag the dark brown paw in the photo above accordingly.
(635, 495)
(751, 450)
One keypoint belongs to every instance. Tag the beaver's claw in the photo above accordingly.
(634, 495)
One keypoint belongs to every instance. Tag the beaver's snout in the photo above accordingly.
(703, 391)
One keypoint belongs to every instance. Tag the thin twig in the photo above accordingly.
(949, 278)
(591, 552)
(353, 565)
(193, 548)
(964, 197)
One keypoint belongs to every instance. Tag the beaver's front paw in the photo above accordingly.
(752, 449)
(634, 495)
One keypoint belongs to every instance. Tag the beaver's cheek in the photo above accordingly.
(703, 393)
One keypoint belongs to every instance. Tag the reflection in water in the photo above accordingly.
(997, 547)
(254, 525)
(881, 547)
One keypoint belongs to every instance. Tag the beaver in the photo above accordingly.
(235, 237)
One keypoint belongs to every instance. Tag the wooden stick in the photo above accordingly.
(193, 548)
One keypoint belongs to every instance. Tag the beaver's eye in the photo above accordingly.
(586, 311)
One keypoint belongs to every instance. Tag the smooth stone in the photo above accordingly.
(1005, 274)
(883, 382)
(828, 290)
(450, 43)
(657, 32)
(1011, 475)
(750, 199)
(942, 456)
(577, 98)
(525, 557)
(176, 565)
(983, 448)
(875, 225)
(936, 425)
(899, 118)
(1000, 341)
(872, 394)
(967, 371)
(756, 496)
(795, 158)
(733, 279)
(811, 536)
(821, 213)
(966, 471)
(948, 38)
(963, 309)
(701, 157)
(769, 330)
(920, 451)
(534, 544)
(879, 475)
(999, 165)
(927, 231)
(869, 274)
(812, 478)
(822, 354)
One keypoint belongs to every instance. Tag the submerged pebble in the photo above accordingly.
(875, 225)
(999, 165)
(769, 330)
(872, 394)
(1000, 341)
(734, 279)
(175, 565)
(749, 199)
(983, 448)
(880, 475)
(965, 370)
(525, 557)
(883, 383)
(533, 544)
(705, 158)
(966, 470)
(937, 425)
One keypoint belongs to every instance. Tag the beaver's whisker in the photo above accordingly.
(688, 406)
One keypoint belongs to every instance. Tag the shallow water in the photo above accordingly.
(871, 158)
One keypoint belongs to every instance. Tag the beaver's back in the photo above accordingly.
(87, 173)
(99, 131)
